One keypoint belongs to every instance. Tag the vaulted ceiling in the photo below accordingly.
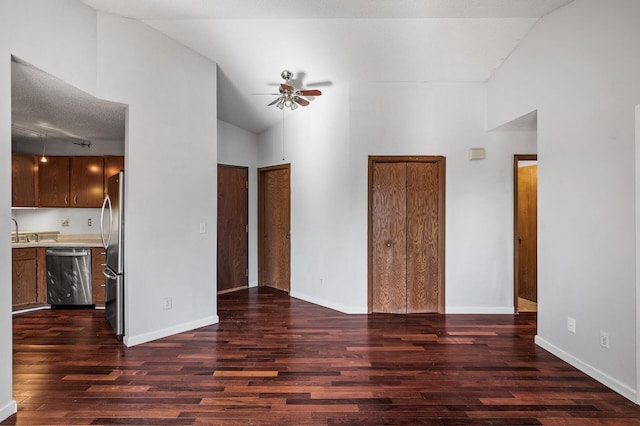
(329, 43)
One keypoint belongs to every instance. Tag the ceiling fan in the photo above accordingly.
(291, 96)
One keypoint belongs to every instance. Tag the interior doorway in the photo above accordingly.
(274, 227)
(406, 234)
(233, 209)
(525, 253)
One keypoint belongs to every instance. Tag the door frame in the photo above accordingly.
(246, 233)
(516, 159)
(261, 213)
(441, 213)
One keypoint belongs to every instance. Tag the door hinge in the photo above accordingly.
(246, 184)
(246, 272)
(246, 228)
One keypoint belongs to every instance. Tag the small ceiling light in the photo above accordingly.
(43, 159)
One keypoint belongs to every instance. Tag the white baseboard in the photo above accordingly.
(501, 310)
(329, 303)
(589, 370)
(169, 331)
(253, 284)
(8, 410)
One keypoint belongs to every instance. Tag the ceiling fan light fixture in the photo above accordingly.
(280, 103)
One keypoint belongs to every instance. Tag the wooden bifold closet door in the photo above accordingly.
(406, 233)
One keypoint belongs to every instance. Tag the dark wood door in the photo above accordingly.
(527, 231)
(406, 234)
(23, 190)
(232, 228)
(274, 204)
(53, 182)
(86, 181)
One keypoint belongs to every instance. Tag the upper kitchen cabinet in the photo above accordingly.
(86, 181)
(53, 182)
(23, 180)
(112, 165)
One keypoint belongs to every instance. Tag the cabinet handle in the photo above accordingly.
(66, 199)
(75, 200)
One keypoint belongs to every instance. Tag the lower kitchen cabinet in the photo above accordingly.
(98, 281)
(24, 277)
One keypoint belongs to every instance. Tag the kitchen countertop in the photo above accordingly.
(60, 240)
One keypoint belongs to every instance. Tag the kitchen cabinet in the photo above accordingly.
(112, 165)
(24, 277)
(41, 270)
(86, 181)
(53, 182)
(98, 281)
(23, 180)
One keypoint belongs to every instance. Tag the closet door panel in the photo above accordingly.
(389, 267)
(422, 237)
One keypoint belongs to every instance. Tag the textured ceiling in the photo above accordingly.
(45, 106)
(327, 43)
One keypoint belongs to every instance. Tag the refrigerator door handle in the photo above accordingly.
(107, 201)
(107, 273)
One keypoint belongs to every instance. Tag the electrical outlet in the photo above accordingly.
(168, 303)
(604, 339)
(64, 222)
(571, 325)
(203, 228)
(89, 222)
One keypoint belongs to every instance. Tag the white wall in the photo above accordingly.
(326, 250)
(579, 67)
(7, 404)
(238, 147)
(170, 163)
(38, 220)
(170, 157)
(328, 145)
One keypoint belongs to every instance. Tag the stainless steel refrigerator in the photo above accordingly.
(112, 234)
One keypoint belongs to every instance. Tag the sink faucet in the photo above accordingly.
(17, 235)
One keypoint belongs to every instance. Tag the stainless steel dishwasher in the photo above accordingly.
(69, 277)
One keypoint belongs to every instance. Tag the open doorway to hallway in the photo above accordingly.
(525, 230)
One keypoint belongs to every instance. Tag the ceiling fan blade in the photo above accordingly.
(309, 92)
(285, 87)
(300, 101)
(274, 102)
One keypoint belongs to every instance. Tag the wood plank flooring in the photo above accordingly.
(278, 360)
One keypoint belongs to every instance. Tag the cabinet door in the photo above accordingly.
(53, 182)
(86, 177)
(23, 180)
(112, 165)
(98, 280)
(23, 277)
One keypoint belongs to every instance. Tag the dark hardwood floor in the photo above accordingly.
(278, 360)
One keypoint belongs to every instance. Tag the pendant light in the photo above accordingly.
(43, 159)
